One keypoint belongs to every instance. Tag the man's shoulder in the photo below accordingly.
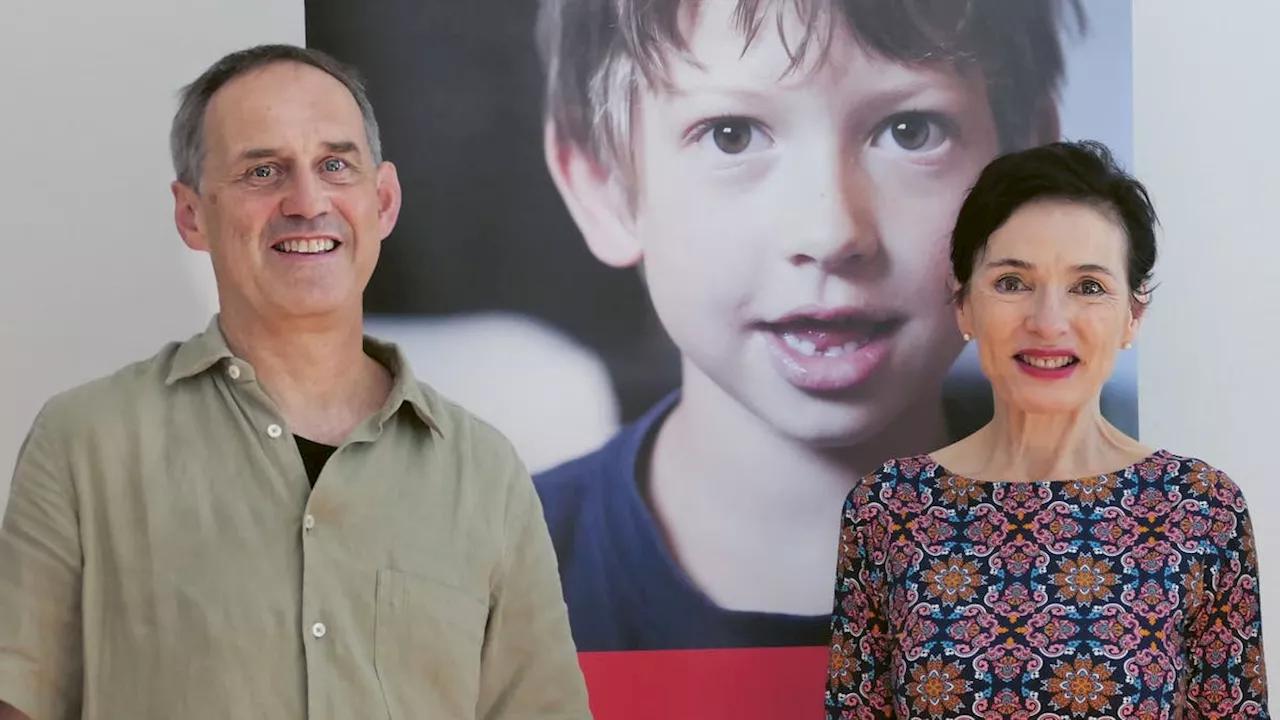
(480, 455)
(110, 396)
(460, 425)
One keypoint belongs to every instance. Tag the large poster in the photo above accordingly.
(692, 258)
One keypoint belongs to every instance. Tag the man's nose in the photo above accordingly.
(305, 197)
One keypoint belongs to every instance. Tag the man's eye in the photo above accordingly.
(335, 165)
(262, 171)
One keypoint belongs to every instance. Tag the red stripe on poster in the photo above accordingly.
(737, 684)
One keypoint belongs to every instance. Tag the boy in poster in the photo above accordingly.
(787, 174)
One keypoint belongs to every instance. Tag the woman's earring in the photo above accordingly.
(1127, 346)
(967, 337)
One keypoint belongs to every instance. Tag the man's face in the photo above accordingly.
(794, 228)
(291, 207)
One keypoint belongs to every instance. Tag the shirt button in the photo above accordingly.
(274, 430)
(234, 372)
(309, 522)
(318, 630)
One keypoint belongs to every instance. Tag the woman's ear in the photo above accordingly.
(960, 300)
(596, 199)
(1137, 311)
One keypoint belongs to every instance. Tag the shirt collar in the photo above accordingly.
(201, 352)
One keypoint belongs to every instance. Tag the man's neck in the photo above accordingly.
(315, 370)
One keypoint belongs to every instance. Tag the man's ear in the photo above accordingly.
(186, 216)
(389, 198)
(595, 198)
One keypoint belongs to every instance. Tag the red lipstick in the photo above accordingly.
(1047, 363)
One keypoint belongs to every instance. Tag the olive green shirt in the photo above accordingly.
(164, 556)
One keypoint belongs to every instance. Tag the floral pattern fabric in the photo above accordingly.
(1131, 596)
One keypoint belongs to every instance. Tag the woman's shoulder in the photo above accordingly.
(1194, 477)
(908, 468)
(894, 473)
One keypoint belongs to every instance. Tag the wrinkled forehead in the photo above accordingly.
(285, 106)
(1061, 234)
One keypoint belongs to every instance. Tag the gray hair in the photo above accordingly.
(186, 138)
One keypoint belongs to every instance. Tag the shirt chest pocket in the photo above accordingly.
(428, 638)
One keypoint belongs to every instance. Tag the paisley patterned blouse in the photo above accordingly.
(1132, 595)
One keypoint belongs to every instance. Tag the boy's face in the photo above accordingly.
(794, 228)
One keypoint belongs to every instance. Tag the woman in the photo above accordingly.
(1048, 566)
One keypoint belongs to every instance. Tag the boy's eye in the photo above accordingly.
(914, 132)
(732, 136)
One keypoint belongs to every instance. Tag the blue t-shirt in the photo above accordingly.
(623, 588)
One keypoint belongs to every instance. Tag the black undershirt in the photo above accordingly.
(314, 456)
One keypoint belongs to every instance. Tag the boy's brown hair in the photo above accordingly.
(597, 53)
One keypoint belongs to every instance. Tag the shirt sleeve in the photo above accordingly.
(858, 685)
(40, 561)
(1227, 670)
(529, 664)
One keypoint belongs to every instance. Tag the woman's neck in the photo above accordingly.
(1024, 446)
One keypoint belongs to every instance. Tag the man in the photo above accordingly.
(274, 518)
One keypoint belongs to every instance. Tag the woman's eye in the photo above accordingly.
(1092, 287)
(1009, 283)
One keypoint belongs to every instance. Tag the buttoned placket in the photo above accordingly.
(281, 447)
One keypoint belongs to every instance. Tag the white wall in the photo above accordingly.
(1205, 99)
(93, 274)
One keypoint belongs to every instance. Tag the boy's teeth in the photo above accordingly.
(808, 348)
(1048, 363)
(307, 247)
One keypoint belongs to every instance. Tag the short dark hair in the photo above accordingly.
(186, 137)
(596, 53)
(1083, 172)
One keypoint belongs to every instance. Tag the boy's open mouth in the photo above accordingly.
(814, 337)
(826, 350)
(313, 246)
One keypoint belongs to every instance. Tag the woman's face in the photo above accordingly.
(1049, 306)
